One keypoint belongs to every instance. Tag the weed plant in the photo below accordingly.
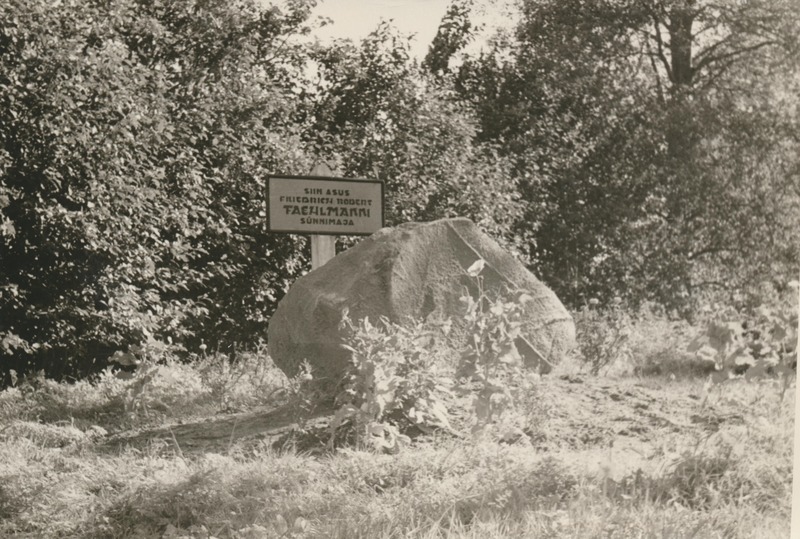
(397, 380)
(602, 334)
(405, 376)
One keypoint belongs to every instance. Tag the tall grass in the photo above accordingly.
(482, 490)
(155, 393)
(60, 478)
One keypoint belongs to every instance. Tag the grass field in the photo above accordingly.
(214, 450)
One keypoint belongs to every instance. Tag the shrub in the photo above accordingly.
(396, 381)
(249, 379)
(658, 345)
(490, 356)
(400, 375)
(602, 334)
(759, 342)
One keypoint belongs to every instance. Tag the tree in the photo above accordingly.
(374, 113)
(455, 32)
(135, 136)
(653, 155)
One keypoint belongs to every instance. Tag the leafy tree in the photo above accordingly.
(375, 113)
(135, 136)
(455, 32)
(643, 148)
(653, 141)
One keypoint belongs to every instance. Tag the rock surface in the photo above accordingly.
(411, 271)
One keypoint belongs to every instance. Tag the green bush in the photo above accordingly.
(603, 334)
(490, 356)
(759, 342)
(398, 379)
(404, 375)
(135, 138)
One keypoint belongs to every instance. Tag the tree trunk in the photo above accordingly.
(681, 18)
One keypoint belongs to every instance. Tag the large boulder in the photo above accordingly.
(415, 270)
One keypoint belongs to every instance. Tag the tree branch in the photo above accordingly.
(730, 56)
(660, 48)
(711, 48)
(659, 88)
(716, 75)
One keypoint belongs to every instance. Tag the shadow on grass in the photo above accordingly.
(682, 366)
(278, 427)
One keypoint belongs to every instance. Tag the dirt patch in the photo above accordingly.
(586, 412)
(616, 427)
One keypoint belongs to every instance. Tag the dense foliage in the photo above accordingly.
(135, 137)
(640, 149)
(655, 143)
